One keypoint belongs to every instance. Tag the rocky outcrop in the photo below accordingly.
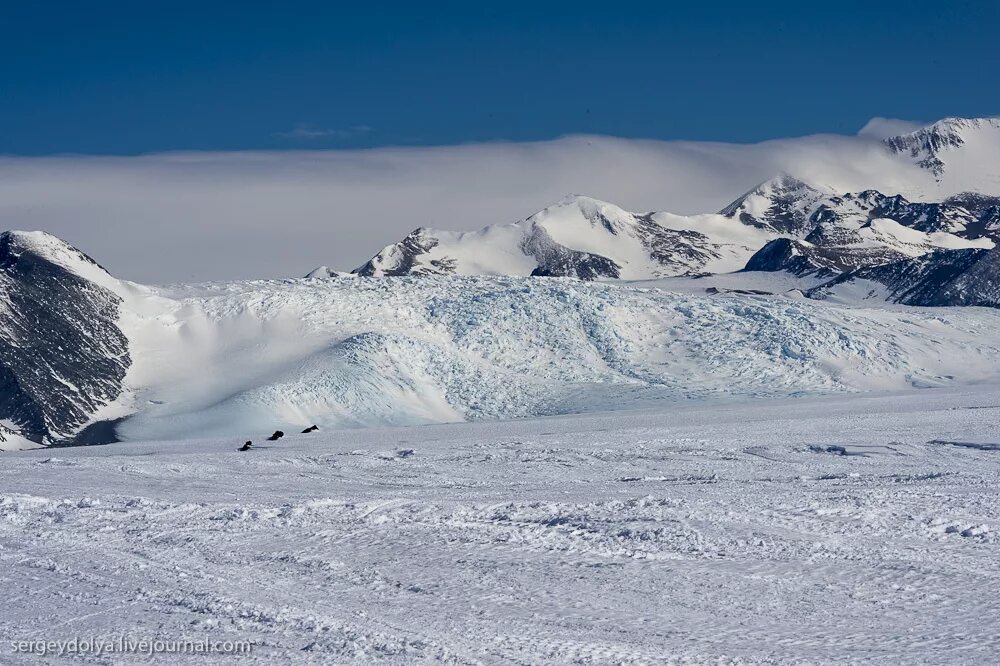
(942, 278)
(62, 354)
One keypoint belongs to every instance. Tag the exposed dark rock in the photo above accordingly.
(101, 432)
(944, 277)
(985, 208)
(799, 258)
(401, 258)
(746, 292)
(872, 204)
(555, 260)
(673, 248)
(62, 355)
(924, 144)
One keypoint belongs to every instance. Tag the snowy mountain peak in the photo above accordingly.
(587, 238)
(782, 204)
(578, 236)
(401, 258)
(573, 208)
(930, 146)
(14, 243)
(956, 127)
(327, 272)
(29, 246)
(581, 201)
(587, 205)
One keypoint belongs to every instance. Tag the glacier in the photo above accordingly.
(230, 358)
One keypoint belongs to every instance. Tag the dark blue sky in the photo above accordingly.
(124, 78)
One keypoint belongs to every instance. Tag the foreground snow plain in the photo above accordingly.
(847, 528)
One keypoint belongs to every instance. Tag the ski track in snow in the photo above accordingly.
(848, 529)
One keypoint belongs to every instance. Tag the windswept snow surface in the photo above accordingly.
(848, 529)
(236, 358)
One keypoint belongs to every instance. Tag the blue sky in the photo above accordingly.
(135, 77)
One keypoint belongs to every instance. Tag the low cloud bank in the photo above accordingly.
(883, 128)
(210, 216)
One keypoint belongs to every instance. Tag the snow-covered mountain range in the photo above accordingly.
(577, 237)
(784, 224)
(447, 326)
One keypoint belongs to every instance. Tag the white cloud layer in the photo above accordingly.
(883, 128)
(203, 216)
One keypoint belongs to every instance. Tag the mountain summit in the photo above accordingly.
(963, 144)
(577, 237)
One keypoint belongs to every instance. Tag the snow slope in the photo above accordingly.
(855, 529)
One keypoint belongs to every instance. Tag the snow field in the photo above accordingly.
(851, 529)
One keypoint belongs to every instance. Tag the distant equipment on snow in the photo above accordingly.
(310, 429)
(276, 436)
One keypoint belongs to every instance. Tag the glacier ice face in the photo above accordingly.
(262, 355)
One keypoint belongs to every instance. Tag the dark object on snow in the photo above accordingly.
(276, 436)
(747, 292)
(311, 428)
(246, 447)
